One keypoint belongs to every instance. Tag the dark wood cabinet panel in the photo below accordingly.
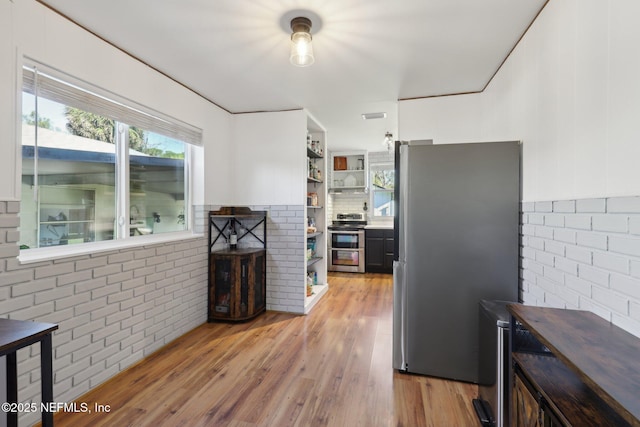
(237, 284)
(525, 403)
(560, 389)
(378, 250)
(582, 368)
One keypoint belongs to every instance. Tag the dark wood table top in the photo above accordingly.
(604, 356)
(16, 334)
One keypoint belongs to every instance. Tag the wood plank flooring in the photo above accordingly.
(329, 368)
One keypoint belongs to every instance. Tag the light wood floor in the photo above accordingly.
(329, 368)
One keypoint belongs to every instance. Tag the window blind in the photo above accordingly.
(58, 87)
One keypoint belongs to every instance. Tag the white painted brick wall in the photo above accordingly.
(582, 222)
(610, 223)
(568, 206)
(544, 206)
(286, 248)
(624, 245)
(104, 326)
(591, 205)
(623, 205)
(583, 254)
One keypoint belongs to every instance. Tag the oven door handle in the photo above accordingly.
(350, 232)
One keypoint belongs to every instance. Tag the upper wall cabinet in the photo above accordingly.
(349, 171)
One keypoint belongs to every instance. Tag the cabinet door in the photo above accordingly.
(526, 410)
(374, 253)
(260, 288)
(388, 251)
(221, 291)
(388, 262)
(245, 277)
(549, 419)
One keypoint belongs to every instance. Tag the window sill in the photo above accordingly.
(28, 256)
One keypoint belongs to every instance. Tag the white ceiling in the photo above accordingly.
(369, 53)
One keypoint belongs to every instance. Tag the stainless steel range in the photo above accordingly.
(346, 242)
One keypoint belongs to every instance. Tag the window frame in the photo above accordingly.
(373, 190)
(121, 239)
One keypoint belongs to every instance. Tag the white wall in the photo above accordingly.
(27, 28)
(8, 182)
(269, 158)
(446, 119)
(570, 91)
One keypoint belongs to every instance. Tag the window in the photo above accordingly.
(96, 167)
(382, 185)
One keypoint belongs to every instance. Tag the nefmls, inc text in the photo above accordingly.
(73, 407)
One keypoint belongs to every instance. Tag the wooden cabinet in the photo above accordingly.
(378, 250)
(237, 263)
(572, 368)
(525, 403)
(237, 284)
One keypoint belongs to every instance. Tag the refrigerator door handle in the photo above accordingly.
(403, 197)
(399, 317)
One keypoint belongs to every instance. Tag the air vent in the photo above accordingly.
(371, 116)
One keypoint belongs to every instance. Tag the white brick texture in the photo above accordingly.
(94, 301)
(589, 250)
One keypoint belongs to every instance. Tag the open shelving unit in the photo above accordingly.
(349, 172)
(316, 262)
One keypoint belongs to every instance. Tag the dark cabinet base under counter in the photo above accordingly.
(378, 250)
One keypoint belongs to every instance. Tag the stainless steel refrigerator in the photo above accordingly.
(456, 227)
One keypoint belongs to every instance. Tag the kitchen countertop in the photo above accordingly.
(379, 226)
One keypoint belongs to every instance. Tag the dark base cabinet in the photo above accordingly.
(237, 284)
(378, 250)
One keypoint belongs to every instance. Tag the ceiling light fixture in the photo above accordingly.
(301, 48)
(388, 140)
